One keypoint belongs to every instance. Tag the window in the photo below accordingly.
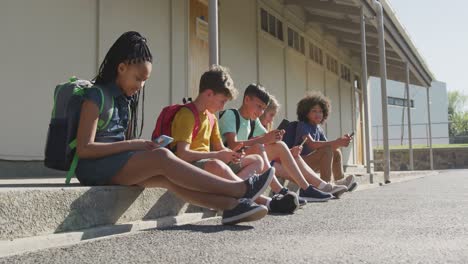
(296, 41)
(399, 101)
(332, 64)
(345, 73)
(315, 54)
(270, 24)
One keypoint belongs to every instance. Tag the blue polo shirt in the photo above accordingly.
(303, 129)
(118, 123)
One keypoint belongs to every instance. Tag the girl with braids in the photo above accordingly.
(115, 156)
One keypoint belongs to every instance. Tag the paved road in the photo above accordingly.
(419, 221)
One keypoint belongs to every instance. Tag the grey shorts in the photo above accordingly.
(93, 172)
(235, 167)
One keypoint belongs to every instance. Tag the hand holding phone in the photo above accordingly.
(163, 140)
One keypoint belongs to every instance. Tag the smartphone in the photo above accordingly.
(351, 134)
(163, 140)
(304, 141)
(283, 125)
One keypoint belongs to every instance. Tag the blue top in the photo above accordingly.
(118, 123)
(303, 129)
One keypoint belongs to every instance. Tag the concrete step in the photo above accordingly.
(46, 206)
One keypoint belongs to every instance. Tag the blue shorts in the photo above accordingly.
(93, 172)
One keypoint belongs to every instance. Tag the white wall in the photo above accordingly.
(397, 115)
(40, 50)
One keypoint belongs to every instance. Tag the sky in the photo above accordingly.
(439, 30)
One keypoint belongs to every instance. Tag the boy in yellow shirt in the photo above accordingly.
(206, 149)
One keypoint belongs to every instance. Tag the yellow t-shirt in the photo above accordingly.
(182, 127)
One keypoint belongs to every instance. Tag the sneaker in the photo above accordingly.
(284, 204)
(349, 181)
(245, 211)
(312, 194)
(257, 184)
(336, 190)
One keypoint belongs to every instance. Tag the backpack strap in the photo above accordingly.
(252, 128)
(236, 113)
(105, 114)
(196, 126)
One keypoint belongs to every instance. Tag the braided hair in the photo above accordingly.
(129, 48)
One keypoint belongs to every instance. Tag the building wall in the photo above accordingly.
(397, 115)
(42, 51)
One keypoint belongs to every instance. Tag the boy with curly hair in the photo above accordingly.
(320, 154)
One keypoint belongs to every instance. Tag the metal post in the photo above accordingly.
(410, 137)
(431, 157)
(213, 32)
(365, 93)
(383, 84)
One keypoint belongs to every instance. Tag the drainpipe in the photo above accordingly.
(431, 157)
(383, 84)
(410, 136)
(365, 95)
(213, 32)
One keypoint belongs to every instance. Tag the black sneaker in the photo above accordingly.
(257, 184)
(312, 194)
(245, 211)
(284, 204)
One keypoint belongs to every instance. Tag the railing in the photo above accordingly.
(398, 134)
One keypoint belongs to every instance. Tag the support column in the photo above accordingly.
(431, 157)
(410, 136)
(365, 95)
(213, 31)
(383, 86)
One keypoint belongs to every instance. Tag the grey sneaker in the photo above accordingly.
(349, 181)
(336, 190)
(245, 211)
(257, 184)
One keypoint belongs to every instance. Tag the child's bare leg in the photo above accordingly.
(197, 198)
(219, 168)
(275, 185)
(250, 164)
(280, 151)
(309, 174)
(144, 165)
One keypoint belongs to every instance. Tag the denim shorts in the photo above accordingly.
(94, 172)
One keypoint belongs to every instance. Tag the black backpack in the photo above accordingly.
(60, 148)
(236, 113)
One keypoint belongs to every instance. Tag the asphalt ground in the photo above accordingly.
(424, 220)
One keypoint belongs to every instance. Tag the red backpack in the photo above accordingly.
(164, 121)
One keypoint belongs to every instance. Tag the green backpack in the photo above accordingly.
(60, 149)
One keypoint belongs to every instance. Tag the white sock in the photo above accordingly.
(268, 204)
(322, 185)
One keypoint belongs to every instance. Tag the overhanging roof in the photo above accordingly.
(341, 19)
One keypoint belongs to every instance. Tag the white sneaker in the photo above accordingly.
(349, 181)
(336, 190)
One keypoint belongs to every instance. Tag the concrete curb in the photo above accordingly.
(29, 244)
(34, 211)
